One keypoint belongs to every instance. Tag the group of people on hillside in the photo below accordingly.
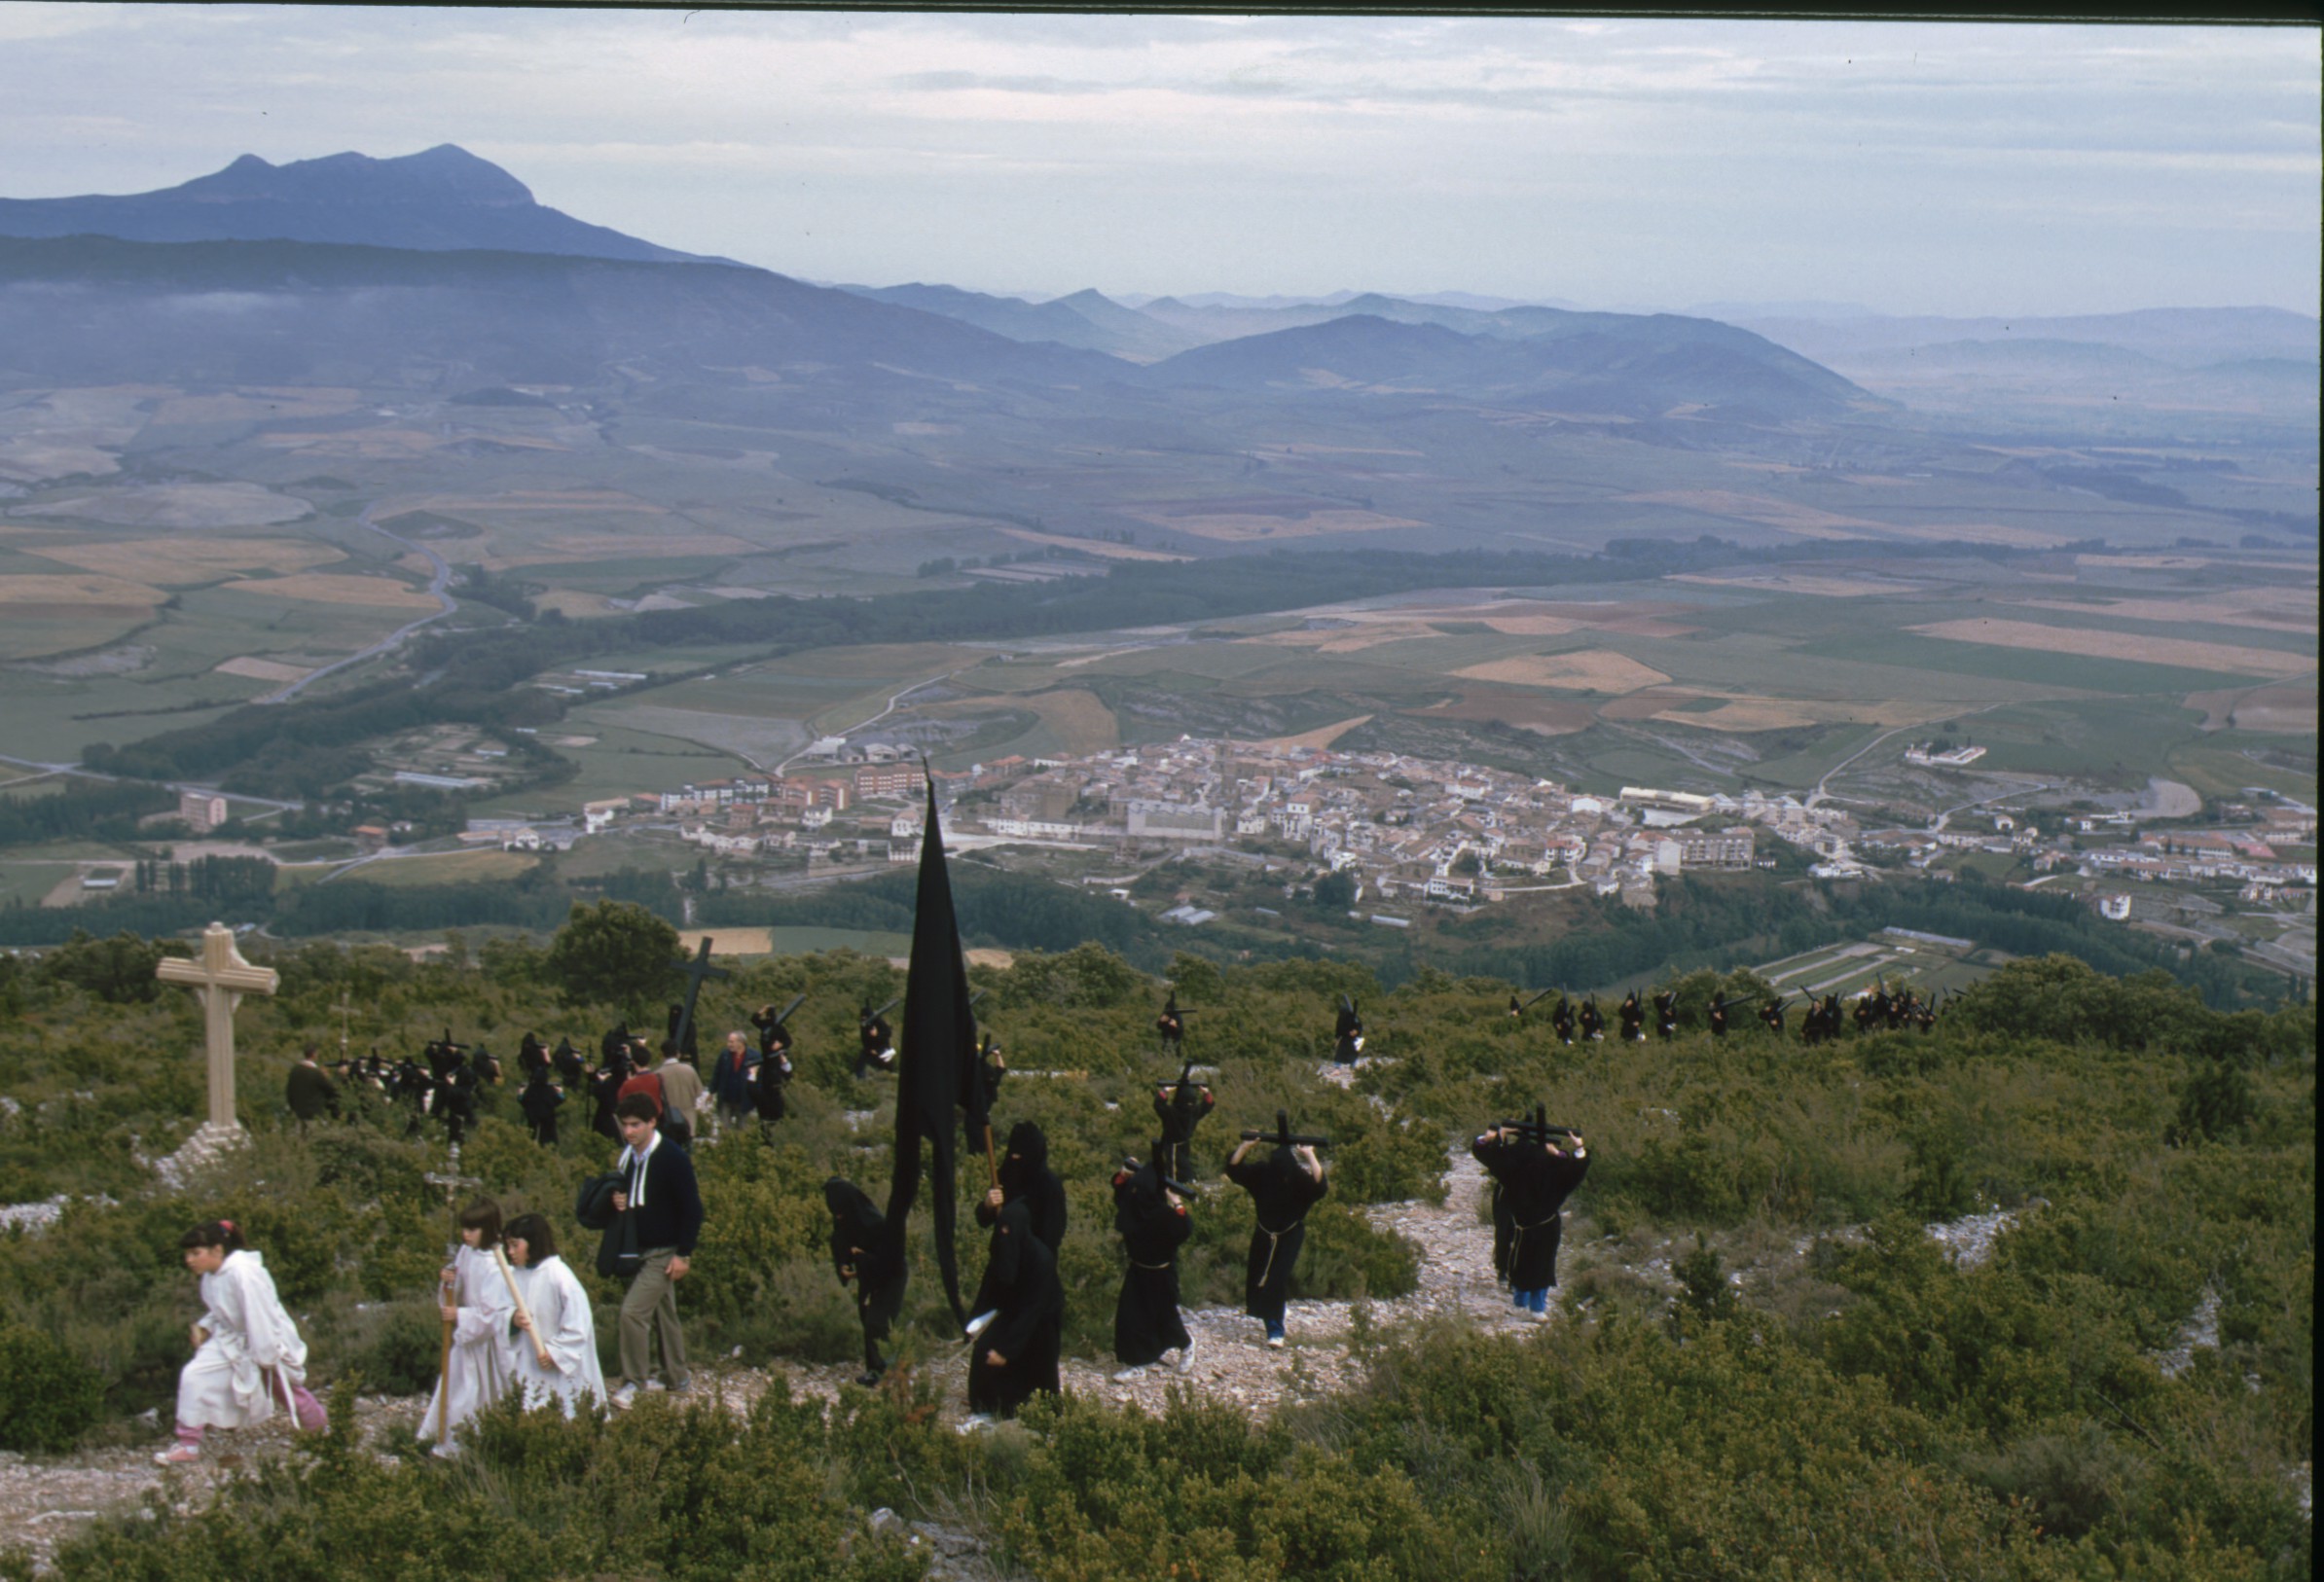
(450, 1081)
(518, 1320)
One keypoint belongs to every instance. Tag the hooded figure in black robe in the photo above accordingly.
(1562, 1020)
(1026, 1177)
(604, 1090)
(1180, 1106)
(565, 1060)
(992, 1068)
(1593, 1021)
(1666, 1015)
(1016, 1354)
(1535, 1179)
(1505, 1224)
(1153, 1225)
(1282, 1190)
(864, 1252)
(1347, 1036)
(539, 1101)
(765, 1079)
(1633, 1020)
(876, 1040)
(531, 1055)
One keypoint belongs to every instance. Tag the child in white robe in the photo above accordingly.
(560, 1321)
(248, 1356)
(478, 1306)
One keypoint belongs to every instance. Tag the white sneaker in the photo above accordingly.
(1275, 1343)
(1185, 1356)
(973, 1421)
(1127, 1376)
(625, 1397)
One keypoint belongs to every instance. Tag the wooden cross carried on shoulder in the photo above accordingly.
(219, 978)
(698, 970)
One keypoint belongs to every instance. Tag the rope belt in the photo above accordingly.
(1274, 1241)
(1517, 1239)
(1135, 1264)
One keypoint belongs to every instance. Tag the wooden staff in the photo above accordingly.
(540, 1347)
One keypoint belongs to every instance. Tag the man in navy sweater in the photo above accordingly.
(662, 1193)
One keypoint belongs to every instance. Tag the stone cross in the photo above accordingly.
(219, 977)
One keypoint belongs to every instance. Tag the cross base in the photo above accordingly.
(209, 1141)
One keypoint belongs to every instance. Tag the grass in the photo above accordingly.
(2222, 764)
(2053, 670)
(444, 868)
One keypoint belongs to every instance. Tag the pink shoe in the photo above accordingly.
(177, 1456)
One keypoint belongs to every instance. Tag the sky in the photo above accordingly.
(1628, 162)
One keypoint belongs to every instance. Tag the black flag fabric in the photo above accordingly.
(935, 1057)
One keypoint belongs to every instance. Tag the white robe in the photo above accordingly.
(561, 1317)
(479, 1370)
(224, 1385)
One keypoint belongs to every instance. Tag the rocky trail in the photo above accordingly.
(44, 1499)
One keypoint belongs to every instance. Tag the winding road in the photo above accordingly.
(439, 581)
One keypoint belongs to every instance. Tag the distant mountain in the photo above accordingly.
(1596, 363)
(1084, 319)
(1012, 316)
(87, 310)
(2184, 337)
(443, 198)
(2221, 370)
(1137, 336)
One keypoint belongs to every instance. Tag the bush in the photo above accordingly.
(52, 1397)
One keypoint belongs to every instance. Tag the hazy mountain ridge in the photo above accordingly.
(1630, 367)
(443, 199)
(84, 307)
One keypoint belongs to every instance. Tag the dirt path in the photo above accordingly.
(44, 1499)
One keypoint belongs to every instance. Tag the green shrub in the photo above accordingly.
(52, 1397)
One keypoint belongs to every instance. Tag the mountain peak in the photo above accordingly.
(444, 174)
(441, 199)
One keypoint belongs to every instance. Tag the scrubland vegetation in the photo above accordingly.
(1853, 1405)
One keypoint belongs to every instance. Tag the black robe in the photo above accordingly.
(771, 1075)
(604, 1090)
(1180, 1115)
(1280, 1194)
(1535, 1185)
(1020, 1285)
(875, 1045)
(864, 1251)
(1026, 1177)
(1145, 1317)
(1505, 1223)
(539, 1101)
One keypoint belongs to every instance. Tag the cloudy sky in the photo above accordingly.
(1910, 167)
